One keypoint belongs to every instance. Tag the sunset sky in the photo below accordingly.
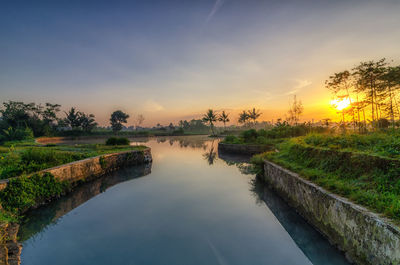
(172, 60)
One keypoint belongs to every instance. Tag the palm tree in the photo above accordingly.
(210, 117)
(243, 117)
(254, 115)
(224, 117)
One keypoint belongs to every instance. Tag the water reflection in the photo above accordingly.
(183, 213)
(317, 249)
(37, 221)
(210, 155)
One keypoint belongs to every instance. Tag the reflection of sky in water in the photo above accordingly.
(187, 211)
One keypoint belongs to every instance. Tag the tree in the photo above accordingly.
(340, 84)
(72, 118)
(139, 120)
(79, 120)
(295, 111)
(87, 122)
(243, 117)
(254, 115)
(368, 77)
(49, 114)
(224, 117)
(391, 84)
(117, 118)
(210, 117)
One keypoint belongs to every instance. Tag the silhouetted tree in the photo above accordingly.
(210, 117)
(254, 115)
(296, 109)
(224, 117)
(243, 117)
(117, 118)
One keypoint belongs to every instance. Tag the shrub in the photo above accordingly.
(178, 131)
(25, 192)
(249, 135)
(19, 134)
(117, 141)
(367, 179)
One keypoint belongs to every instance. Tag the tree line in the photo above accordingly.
(21, 120)
(372, 89)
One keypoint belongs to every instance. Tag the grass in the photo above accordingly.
(27, 157)
(20, 158)
(382, 144)
(359, 168)
(251, 137)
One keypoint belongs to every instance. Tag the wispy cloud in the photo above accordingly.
(301, 83)
(151, 105)
(218, 4)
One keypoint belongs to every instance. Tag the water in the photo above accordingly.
(190, 206)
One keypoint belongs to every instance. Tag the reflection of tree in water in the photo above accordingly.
(210, 156)
(161, 139)
(240, 161)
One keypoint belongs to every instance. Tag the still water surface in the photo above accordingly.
(191, 206)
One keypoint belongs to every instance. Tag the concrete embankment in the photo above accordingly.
(94, 167)
(75, 173)
(365, 237)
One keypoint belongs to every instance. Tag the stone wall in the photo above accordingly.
(365, 237)
(243, 149)
(10, 249)
(93, 167)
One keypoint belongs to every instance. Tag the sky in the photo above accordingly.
(173, 60)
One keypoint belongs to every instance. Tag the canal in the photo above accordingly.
(190, 206)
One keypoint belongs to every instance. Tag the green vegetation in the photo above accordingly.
(210, 117)
(117, 118)
(25, 192)
(117, 141)
(19, 158)
(363, 168)
(279, 131)
(27, 157)
(371, 88)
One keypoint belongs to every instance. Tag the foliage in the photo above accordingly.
(224, 118)
(16, 134)
(379, 143)
(251, 136)
(25, 192)
(21, 158)
(210, 117)
(117, 141)
(79, 121)
(254, 114)
(366, 179)
(372, 88)
(243, 117)
(295, 111)
(42, 120)
(117, 118)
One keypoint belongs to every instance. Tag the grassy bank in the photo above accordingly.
(362, 168)
(19, 158)
(23, 158)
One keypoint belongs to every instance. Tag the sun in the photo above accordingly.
(341, 104)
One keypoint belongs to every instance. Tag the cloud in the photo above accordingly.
(301, 83)
(151, 105)
(218, 4)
